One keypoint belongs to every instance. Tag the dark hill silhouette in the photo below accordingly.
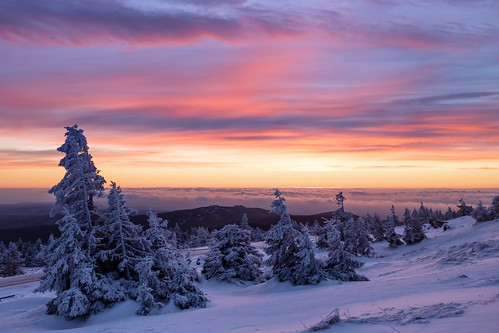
(22, 222)
(215, 217)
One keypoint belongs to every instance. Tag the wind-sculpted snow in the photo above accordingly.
(418, 315)
(468, 252)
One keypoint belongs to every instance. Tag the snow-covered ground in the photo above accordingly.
(447, 283)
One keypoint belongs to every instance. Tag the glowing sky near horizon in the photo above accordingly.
(367, 93)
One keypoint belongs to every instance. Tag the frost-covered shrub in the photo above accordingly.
(232, 257)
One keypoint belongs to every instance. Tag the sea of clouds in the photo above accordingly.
(299, 200)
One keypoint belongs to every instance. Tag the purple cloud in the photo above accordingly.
(96, 22)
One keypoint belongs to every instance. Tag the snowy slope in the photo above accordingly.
(447, 283)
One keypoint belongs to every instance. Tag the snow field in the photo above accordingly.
(447, 283)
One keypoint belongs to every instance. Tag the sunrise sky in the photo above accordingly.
(365, 93)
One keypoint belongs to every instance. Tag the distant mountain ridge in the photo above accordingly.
(18, 221)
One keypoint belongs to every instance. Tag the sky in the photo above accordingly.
(231, 93)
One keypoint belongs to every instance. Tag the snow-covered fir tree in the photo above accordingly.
(280, 237)
(148, 278)
(255, 235)
(357, 238)
(32, 256)
(391, 236)
(450, 214)
(165, 273)
(341, 217)
(323, 234)
(279, 240)
(177, 279)
(340, 264)
(11, 261)
(340, 199)
(158, 233)
(285, 245)
(45, 252)
(464, 209)
(413, 226)
(494, 208)
(81, 182)
(181, 236)
(481, 213)
(122, 245)
(303, 268)
(377, 228)
(368, 219)
(244, 222)
(258, 235)
(315, 229)
(231, 257)
(146, 300)
(364, 247)
(70, 272)
(199, 236)
(424, 214)
(22, 247)
(3, 248)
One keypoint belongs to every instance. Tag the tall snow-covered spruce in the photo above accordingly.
(285, 245)
(81, 182)
(70, 270)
